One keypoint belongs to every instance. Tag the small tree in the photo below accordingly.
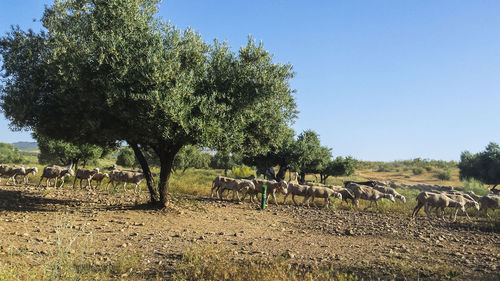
(311, 156)
(191, 156)
(338, 167)
(126, 157)
(63, 153)
(9, 154)
(225, 160)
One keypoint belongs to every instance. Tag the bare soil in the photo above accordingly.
(35, 222)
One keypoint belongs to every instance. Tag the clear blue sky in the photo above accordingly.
(378, 80)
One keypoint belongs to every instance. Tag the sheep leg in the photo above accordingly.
(427, 211)
(417, 208)
(273, 194)
(237, 196)
(293, 199)
(284, 199)
(327, 202)
(312, 201)
(305, 200)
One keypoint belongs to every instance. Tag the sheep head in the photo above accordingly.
(389, 196)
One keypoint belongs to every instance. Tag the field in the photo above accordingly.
(82, 234)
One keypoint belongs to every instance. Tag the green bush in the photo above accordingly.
(126, 157)
(444, 175)
(9, 154)
(474, 185)
(417, 170)
(429, 168)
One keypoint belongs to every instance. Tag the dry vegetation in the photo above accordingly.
(66, 234)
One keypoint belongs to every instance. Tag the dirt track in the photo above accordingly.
(370, 244)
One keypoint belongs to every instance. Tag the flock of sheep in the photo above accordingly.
(354, 191)
(116, 176)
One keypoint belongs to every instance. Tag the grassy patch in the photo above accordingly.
(214, 264)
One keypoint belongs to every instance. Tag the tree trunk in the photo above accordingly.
(167, 155)
(281, 173)
(302, 177)
(147, 172)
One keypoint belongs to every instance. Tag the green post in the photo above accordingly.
(264, 196)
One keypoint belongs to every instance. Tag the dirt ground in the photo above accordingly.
(34, 222)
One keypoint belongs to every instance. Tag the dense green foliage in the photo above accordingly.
(191, 156)
(338, 167)
(483, 166)
(114, 72)
(9, 153)
(311, 157)
(63, 153)
(126, 157)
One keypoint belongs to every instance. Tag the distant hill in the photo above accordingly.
(23, 145)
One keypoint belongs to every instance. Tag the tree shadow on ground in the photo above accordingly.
(19, 201)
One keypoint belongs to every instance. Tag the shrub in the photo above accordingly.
(9, 154)
(444, 175)
(243, 171)
(429, 168)
(474, 185)
(417, 170)
(126, 157)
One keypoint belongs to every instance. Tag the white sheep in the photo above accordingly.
(438, 200)
(321, 192)
(296, 189)
(272, 188)
(460, 197)
(489, 202)
(367, 193)
(390, 190)
(236, 185)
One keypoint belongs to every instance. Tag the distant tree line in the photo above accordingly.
(483, 166)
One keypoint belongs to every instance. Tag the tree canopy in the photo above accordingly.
(483, 166)
(311, 156)
(105, 71)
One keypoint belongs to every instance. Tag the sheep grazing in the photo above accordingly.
(12, 172)
(236, 185)
(390, 190)
(296, 189)
(489, 202)
(55, 172)
(85, 174)
(98, 177)
(321, 192)
(217, 183)
(438, 200)
(272, 188)
(367, 193)
(27, 171)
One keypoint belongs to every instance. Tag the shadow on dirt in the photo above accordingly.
(18, 201)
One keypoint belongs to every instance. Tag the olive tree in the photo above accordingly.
(107, 71)
(311, 157)
(339, 166)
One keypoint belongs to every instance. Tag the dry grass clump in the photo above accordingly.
(212, 264)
